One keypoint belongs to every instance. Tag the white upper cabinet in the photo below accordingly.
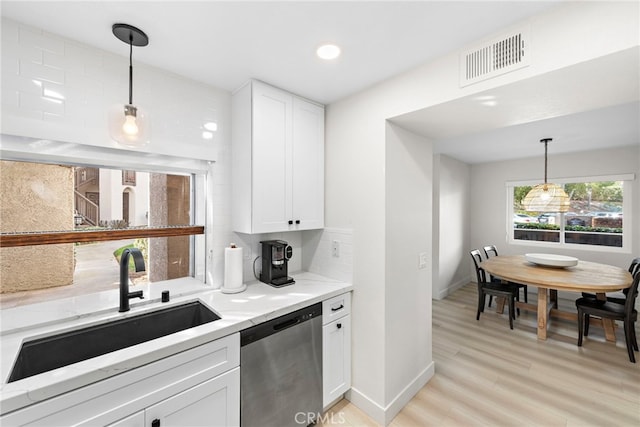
(277, 161)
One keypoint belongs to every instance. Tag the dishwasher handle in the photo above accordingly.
(279, 324)
(286, 324)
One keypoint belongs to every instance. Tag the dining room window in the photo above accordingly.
(598, 207)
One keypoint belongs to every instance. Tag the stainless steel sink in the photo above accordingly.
(44, 354)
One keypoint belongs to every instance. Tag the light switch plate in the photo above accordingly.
(335, 249)
(422, 260)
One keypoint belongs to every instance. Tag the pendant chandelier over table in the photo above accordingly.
(546, 197)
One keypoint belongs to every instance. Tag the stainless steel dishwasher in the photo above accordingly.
(281, 370)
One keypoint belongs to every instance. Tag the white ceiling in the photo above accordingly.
(575, 106)
(226, 43)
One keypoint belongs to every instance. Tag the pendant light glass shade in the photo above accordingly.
(546, 197)
(128, 124)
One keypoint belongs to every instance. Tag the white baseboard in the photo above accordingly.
(452, 288)
(384, 415)
(366, 405)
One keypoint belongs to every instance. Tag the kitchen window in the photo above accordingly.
(598, 217)
(53, 208)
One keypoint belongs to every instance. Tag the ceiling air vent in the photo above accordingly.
(496, 57)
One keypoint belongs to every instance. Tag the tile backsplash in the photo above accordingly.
(312, 251)
(329, 252)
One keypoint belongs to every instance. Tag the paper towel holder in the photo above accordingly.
(233, 261)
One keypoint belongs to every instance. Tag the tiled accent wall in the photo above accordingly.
(318, 256)
(57, 88)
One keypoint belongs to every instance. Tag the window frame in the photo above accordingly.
(26, 149)
(627, 208)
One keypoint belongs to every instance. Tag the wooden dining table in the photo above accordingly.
(584, 277)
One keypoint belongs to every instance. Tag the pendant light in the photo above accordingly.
(128, 124)
(546, 197)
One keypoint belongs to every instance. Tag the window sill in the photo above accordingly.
(72, 236)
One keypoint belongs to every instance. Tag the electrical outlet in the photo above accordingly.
(335, 249)
(422, 260)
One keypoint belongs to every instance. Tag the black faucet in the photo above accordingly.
(138, 261)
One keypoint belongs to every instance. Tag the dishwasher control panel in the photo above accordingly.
(278, 324)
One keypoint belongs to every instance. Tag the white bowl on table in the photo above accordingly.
(552, 260)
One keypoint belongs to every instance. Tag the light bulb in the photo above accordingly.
(130, 127)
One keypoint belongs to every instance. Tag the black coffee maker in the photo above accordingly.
(275, 256)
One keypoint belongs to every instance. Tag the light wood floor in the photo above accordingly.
(489, 375)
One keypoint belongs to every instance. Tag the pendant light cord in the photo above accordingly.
(545, 160)
(130, 69)
(546, 141)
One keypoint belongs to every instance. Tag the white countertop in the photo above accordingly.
(257, 304)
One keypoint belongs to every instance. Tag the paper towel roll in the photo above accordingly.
(232, 268)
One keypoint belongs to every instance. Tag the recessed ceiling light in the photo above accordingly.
(328, 51)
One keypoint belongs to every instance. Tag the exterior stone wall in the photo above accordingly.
(35, 197)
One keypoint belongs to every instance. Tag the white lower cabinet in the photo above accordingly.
(336, 348)
(197, 387)
(215, 402)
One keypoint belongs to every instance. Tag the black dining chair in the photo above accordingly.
(492, 250)
(633, 267)
(505, 290)
(612, 310)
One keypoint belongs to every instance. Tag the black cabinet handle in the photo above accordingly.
(297, 221)
(339, 325)
(290, 222)
(337, 308)
(155, 423)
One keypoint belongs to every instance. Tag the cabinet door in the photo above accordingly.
(215, 402)
(336, 359)
(308, 165)
(271, 159)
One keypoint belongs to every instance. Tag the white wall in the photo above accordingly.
(488, 198)
(408, 234)
(354, 199)
(356, 141)
(452, 218)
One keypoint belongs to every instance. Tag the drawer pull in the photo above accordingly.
(155, 423)
(337, 308)
(339, 325)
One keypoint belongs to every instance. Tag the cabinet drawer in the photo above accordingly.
(336, 307)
